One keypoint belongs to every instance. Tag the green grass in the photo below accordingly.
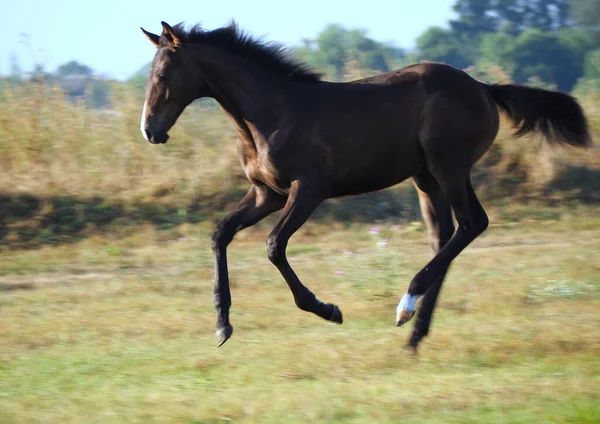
(121, 329)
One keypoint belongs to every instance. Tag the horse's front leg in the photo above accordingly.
(259, 202)
(303, 199)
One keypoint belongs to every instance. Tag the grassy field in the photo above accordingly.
(120, 328)
(106, 311)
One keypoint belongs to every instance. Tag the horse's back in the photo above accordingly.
(413, 114)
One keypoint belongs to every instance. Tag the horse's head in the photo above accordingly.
(172, 85)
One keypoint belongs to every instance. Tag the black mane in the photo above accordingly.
(269, 55)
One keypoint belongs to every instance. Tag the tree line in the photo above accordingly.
(555, 41)
(78, 81)
(550, 42)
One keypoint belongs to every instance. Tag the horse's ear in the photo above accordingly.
(152, 37)
(170, 35)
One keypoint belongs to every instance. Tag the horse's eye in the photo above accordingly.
(163, 77)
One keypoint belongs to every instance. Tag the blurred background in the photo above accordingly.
(106, 268)
(72, 89)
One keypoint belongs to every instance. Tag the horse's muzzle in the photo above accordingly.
(159, 137)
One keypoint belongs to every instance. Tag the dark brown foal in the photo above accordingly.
(303, 140)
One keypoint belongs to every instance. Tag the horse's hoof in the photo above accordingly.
(336, 315)
(405, 309)
(410, 349)
(223, 334)
(403, 317)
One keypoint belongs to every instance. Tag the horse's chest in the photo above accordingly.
(264, 169)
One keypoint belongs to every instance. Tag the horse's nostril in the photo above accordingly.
(148, 134)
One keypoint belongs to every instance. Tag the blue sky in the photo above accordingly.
(105, 35)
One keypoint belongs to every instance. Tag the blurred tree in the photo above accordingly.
(475, 18)
(525, 37)
(395, 57)
(310, 54)
(368, 53)
(585, 14)
(15, 73)
(546, 15)
(332, 44)
(73, 68)
(98, 95)
(592, 64)
(74, 79)
(441, 45)
(579, 42)
(335, 46)
(499, 48)
(541, 54)
(139, 80)
(78, 82)
(585, 17)
(39, 74)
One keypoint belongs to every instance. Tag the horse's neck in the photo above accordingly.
(245, 92)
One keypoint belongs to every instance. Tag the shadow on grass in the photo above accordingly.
(27, 221)
(577, 182)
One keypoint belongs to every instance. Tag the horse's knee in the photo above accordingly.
(275, 250)
(220, 238)
(481, 223)
(476, 225)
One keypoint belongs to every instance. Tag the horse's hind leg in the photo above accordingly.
(302, 201)
(437, 215)
(472, 221)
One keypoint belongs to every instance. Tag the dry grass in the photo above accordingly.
(51, 147)
(121, 330)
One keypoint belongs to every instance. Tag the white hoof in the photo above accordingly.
(406, 309)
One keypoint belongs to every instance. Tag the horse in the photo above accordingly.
(304, 140)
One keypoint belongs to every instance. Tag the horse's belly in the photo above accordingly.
(375, 177)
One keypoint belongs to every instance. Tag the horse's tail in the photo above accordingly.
(556, 115)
